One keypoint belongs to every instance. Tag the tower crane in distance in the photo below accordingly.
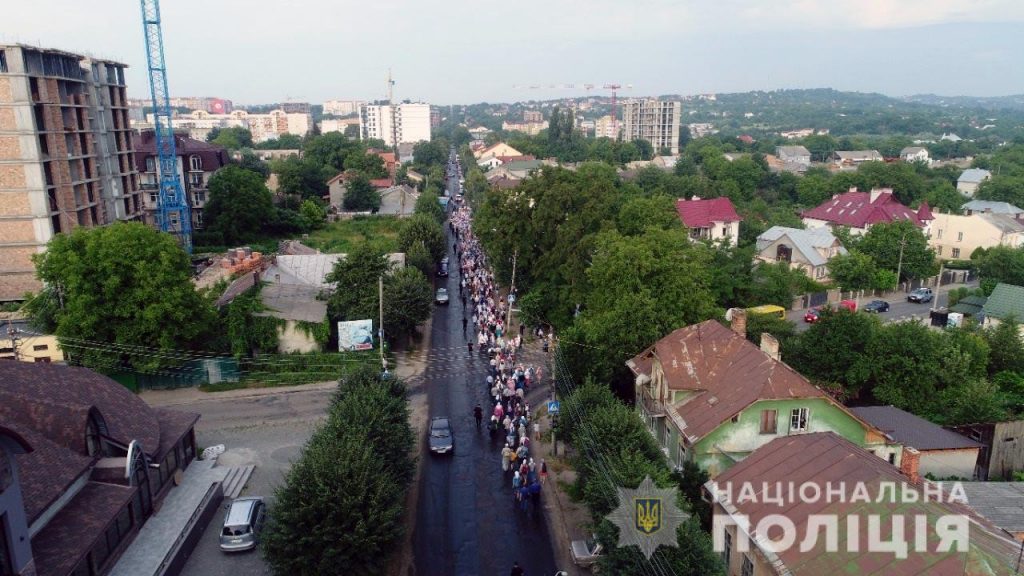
(172, 214)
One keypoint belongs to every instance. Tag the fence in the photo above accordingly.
(833, 296)
(191, 373)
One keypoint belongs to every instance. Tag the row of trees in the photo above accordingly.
(341, 507)
(614, 449)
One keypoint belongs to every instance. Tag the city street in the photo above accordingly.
(899, 308)
(466, 521)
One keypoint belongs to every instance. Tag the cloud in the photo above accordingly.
(874, 14)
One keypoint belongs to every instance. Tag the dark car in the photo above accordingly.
(921, 295)
(441, 440)
(442, 269)
(877, 306)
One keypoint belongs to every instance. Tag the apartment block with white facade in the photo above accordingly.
(411, 122)
(656, 121)
(262, 126)
(342, 107)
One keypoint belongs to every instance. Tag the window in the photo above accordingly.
(195, 163)
(769, 421)
(152, 197)
(150, 164)
(959, 236)
(3, 68)
(727, 550)
(892, 458)
(956, 252)
(748, 567)
(798, 420)
(939, 237)
(40, 347)
(195, 179)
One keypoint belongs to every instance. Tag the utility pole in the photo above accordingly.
(899, 265)
(511, 291)
(380, 300)
(12, 333)
(935, 299)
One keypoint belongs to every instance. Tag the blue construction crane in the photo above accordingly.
(172, 214)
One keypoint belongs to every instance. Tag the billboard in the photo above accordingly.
(355, 335)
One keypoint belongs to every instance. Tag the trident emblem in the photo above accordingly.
(648, 514)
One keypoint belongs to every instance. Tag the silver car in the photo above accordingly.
(441, 297)
(242, 524)
(441, 441)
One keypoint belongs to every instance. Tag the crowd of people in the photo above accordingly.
(508, 379)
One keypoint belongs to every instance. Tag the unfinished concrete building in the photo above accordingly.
(66, 156)
(656, 121)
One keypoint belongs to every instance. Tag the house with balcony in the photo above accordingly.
(858, 211)
(806, 250)
(714, 219)
(710, 396)
(197, 162)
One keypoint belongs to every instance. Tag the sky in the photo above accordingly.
(467, 51)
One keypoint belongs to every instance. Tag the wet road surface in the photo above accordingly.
(466, 521)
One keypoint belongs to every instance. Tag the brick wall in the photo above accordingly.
(7, 119)
(12, 176)
(14, 204)
(16, 231)
(14, 286)
(5, 90)
(10, 148)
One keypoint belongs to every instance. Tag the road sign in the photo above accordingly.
(553, 407)
(511, 298)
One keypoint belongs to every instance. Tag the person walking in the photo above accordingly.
(478, 413)
(506, 458)
(516, 570)
(470, 345)
(543, 471)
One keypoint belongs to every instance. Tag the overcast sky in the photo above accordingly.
(466, 51)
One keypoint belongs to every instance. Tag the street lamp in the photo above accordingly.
(899, 265)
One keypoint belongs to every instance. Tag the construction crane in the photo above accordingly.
(614, 87)
(172, 213)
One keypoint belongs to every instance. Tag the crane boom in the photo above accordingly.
(172, 214)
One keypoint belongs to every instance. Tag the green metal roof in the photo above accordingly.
(1005, 301)
(969, 305)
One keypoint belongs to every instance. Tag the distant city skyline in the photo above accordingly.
(314, 50)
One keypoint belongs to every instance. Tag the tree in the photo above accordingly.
(637, 214)
(423, 228)
(1000, 264)
(418, 257)
(429, 204)
(282, 142)
(300, 177)
(126, 290)
(430, 153)
(1006, 347)
(780, 328)
(854, 271)
(971, 402)
(883, 240)
(329, 151)
(234, 138)
(252, 162)
(903, 358)
(313, 213)
(370, 164)
(777, 283)
(240, 205)
(408, 300)
(845, 335)
(355, 278)
(360, 195)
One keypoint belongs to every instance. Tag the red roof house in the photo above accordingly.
(712, 219)
(859, 210)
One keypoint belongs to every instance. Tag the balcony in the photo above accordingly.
(651, 406)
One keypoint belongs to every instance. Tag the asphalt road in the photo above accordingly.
(466, 521)
(899, 309)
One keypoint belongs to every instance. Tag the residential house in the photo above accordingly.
(1002, 450)
(665, 162)
(798, 157)
(84, 464)
(713, 219)
(521, 168)
(301, 308)
(336, 187)
(398, 201)
(494, 150)
(944, 453)
(953, 236)
(197, 162)
(1006, 301)
(479, 132)
(915, 154)
(970, 179)
(983, 206)
(805, 250)
(734, 156)
(859, 210)
(19, 341)
(389, 159)
(528, 128)
(826, 477)
(414, 177)
(851, 159)
(494, 161)
(710, 396)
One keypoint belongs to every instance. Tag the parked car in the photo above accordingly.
(442, 269)
(242, 524)
(921, 295)
(812, 315)
(876, 306)
(585, 553)
(441, 439)
(441, 298)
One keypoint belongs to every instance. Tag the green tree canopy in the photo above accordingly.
(360, 195)
(301, 177)
(429, 204)
(408, 300)
(240, 205)
(423, 228)
(883, 240)
(124, 287)
(234, 138)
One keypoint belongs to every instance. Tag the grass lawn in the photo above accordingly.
(272, 370)
(342, 236)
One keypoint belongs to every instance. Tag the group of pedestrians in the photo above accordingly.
(507, 380)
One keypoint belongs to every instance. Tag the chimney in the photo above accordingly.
(770, 345)
(738, 321)
(909, 464)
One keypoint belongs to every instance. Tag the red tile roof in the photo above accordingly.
(856, 210)
(825, 459)
(729, 372)
(381, 183)
(703, 213)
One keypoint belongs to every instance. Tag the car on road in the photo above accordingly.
(876, 306)
(585, 553)
(441, 298)
(243, 523)
(921, 295)
(812, 315)
(441, 439)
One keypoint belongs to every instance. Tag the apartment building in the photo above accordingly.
(533, 116)
(656, 121)
(411, 122)
(66, 156)
(607, 127)
(342, 107)
(263, 127)
(197, 161)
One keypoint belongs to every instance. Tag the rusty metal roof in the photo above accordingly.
(826, 458)
(728, 372)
